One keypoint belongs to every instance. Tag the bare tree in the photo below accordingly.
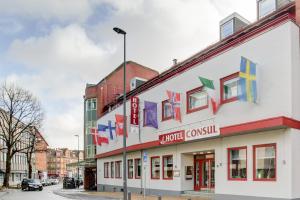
(32, 140)
(19, 112)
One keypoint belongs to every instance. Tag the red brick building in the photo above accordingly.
(41, 155)
(97, 99)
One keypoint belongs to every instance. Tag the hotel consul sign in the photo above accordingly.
(195, 132)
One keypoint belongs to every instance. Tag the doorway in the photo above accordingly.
(204, 172)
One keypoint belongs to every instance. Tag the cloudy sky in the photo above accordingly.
(54, 47)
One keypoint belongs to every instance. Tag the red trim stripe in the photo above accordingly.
(254, 126)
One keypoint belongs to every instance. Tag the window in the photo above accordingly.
(226, 29)
(196, 100)
(168, 167)
(138, 168)
(118, 169)
(264, 162)
(237, 163)
(106, 166)
(229, 88)
(112, 169)
(265, 7)
(130, 168)
(155, 167)
(166, 110)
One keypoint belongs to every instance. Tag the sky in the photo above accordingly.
(54, 47)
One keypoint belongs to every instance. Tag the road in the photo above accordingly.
(48, 193)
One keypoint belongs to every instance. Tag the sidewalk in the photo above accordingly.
(119, 195)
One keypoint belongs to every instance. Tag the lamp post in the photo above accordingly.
(120, 31)
(77, 162)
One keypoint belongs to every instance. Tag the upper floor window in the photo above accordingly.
(226, 29)
(237, 163)
(166, 110)
(229, 88)
(264, 162)
(265, 7)
(196, 100)
(91, 104)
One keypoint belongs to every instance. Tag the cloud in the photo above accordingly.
(10, 26)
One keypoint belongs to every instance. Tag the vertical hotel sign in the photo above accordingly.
(134, 106)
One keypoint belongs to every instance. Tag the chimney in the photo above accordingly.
(297, 11)
(174, 61)
(232, 24)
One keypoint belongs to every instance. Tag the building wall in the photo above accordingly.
(274, 86)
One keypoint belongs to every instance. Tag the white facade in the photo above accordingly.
(276, 52)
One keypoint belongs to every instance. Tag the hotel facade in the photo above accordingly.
(245, 150)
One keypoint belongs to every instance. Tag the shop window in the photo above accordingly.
(118, 169)
(130, 168)
(166, 110)
(229, 88)
(106, 166)
(155, 167)
(112, 169)
(237, 163)
(197, 99)
(264, 164)
(168, 167)
(138, 168)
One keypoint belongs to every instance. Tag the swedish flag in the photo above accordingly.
(247, 81)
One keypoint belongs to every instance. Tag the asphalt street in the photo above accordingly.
(48, 193)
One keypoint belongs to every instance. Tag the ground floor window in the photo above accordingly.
(112, 169)
(237, 163)
(130, 168)
(138, 168)
(264, 162)
(155, 167)
(168, 167)
(106, 165)
(118, 169)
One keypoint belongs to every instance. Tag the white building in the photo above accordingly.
(255, 154)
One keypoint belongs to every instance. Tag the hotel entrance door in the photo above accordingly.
(204, 172)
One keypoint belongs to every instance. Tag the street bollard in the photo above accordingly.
(129, 195)
(159, 197)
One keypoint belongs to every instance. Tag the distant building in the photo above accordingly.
(58, 159)
(97, 100)
(41, 156)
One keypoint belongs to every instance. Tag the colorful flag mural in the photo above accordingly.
(120, 125)
(174, 100)
(247, 90)
(150, 114)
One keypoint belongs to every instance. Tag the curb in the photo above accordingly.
(80, 194)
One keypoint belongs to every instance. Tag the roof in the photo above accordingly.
(215, 49)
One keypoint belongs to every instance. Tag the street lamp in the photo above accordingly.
(77, 162)
(120, 31)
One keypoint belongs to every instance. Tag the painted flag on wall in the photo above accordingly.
(102, 137)
(111, 130)
(95, 135)
(120, 125)
(174, 100)
(211, 92)
(247, 90)
(150, 114)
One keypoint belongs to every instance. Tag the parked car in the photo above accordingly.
(31, 184)
(48, 182)
(69, 183)
(43, 182)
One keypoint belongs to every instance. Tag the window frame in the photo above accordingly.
(190, 92)
(120, 171)
(112, 169)
(254, 162)
(130, 177)
(153, 157)
(163, 165)
(229, 162)
(106, 169)
(222, 81)
(135, 168)
(163, 118)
